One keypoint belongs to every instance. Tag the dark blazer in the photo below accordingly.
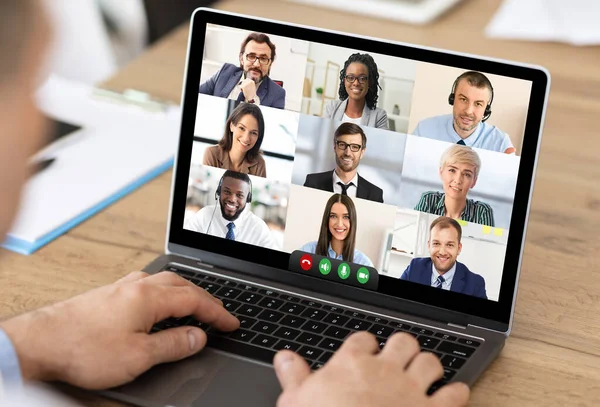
(324, 182)
(464, 281)
(222, 83)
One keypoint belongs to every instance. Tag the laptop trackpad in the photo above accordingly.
(208, 379)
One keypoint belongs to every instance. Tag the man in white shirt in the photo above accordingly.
(234, 221)
(349, 146)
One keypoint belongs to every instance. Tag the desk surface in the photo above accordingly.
(553, 355)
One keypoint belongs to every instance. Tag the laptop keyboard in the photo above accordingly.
(271, 321)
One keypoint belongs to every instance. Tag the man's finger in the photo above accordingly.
(453, 394)
(359, 342)
(133, 276)
(173, 279)
(425, 369)
(400, 348)
(291, 369)
(175, 344)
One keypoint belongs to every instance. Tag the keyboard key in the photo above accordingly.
(290, 308)
(448, 374)
(317, 365)
(250, 298)
(422, 331)
(247, 288)
(246, 322)
(283, 344)
(377, 320)
(358, 325)
(289, 298)
(195, 322)
(271, 303)
(180, 271)
(210, 287)
(452, 362)
(242, 335)
(293, 321)
(229, 283)
(400, 325)
(339, 333)
(439, 355)
(314, 314)
(325, 357)
(271, 316)
(316, 327)
(455, 349)
(427, 342)
(308, 338)
(330, 344)
(264, 327)
(310, 303)
(382, 342)
(206, 277)
(231, 305)
(380, 330)
(220, 280)
(287, 333)
(336, 319)
(445, 337)
(249, 310)
(228, 292)
(468, 342)
(264, 340)
(308, 352)
(354, 314)
(332, 308)
(270, 293)
(435, 387)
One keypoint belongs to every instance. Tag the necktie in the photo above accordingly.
(461, 142)
(241, 97)
(345, 187)
(230, 234)
(438, 283)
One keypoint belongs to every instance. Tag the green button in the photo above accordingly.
(363, 275)
(344, 271)
(325, 266)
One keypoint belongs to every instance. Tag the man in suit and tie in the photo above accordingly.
(250, 81)
(441, 270)
(349, 146)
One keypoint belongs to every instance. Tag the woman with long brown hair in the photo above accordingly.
(337, 236)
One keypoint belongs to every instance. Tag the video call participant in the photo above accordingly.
(459, 169)
(349, 146)
(234, 220)
(471, 100)
(441, 270)
(250, 81)
(337, 236)
(239, 148)
(359, 80)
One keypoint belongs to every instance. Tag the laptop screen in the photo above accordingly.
(386, 171)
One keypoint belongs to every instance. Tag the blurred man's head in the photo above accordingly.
(24, 32)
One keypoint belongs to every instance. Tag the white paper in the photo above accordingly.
(118, 145)
(575, 22)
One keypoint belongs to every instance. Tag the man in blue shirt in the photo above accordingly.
(471, 99)
(101, 339)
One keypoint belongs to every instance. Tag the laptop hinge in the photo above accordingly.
(456, 325)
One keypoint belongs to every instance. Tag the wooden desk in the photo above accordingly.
(553, 354)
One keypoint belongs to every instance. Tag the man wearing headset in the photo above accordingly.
(471, 100)
(234, 221)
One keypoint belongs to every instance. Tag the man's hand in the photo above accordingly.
(249, 88)
(359, 374)
(100, 339)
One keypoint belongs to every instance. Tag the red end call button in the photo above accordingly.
(306, 262)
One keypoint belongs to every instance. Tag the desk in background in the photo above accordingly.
(553, 354)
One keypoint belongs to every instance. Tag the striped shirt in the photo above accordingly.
(475, 211)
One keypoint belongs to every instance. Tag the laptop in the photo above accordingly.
(304, 264)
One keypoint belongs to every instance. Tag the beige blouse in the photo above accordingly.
(215, 156)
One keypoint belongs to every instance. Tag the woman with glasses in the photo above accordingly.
(239, 149)
(337, 236)
(359, 83)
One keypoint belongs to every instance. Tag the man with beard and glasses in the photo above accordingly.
(349, 146)
(440, 269)
(471, 100)
(249, 82)
(234, 221)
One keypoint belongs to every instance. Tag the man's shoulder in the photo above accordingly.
(469, 273)
(273, 87)
(420, 263)
(320, 175)
(435, 120)
(228, 68)
(255, 219)
(364, 183)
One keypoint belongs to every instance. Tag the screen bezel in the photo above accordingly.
(220, 251)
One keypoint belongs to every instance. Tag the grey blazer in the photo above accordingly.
(373, 118)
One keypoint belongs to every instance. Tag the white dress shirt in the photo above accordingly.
(448, 276)
(238, 88)
(351, 191)
(249, 228)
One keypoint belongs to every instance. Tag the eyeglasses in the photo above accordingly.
(343, 146)
(262, 60)
(352, 78)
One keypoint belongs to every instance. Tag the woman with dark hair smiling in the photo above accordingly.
(239, 149)
(359, 83)
(337, 237)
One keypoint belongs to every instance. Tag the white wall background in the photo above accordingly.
(495, 185)
(305, 212)
(223, 45)
(433, 84)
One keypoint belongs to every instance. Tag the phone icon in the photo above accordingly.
(306, 262)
